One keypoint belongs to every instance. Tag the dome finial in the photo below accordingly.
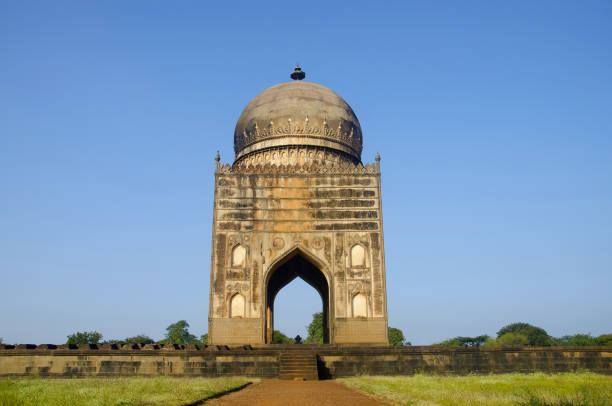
(297, 73)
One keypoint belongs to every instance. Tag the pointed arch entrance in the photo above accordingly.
(296, 263)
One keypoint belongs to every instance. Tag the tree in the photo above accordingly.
(459, 342)
(536, 336)
(604, 339)
(577, 340)
(139, 339)
(0, 340)
(473, 341)
(450, 343)
(178, 333)
(204, 339)
(396, 337)
(280, 338)
(315, 329)
(85, 337)
(512, 340)
(582, 340)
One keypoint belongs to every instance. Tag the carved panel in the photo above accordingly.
(238, 256)
(237, 305)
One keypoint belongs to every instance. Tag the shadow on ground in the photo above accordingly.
(218, 395)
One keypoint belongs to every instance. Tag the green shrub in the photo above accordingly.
(85, 337)
(140, 339)
(450, 343)
(582, 340)
(459, 342)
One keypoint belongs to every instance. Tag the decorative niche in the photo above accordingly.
(360, 305)
(238, 263)
(358, 261)
(237, 305)
(238, 256)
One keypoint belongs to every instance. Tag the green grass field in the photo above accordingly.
(113, 391)
(570, 389)
(575, 389)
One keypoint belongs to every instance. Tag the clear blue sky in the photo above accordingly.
(493, 120)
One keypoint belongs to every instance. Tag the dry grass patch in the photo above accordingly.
(156, 391)
(568, 389)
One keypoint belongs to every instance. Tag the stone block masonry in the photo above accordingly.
(135, 360)
(274, 223)
(333, 360)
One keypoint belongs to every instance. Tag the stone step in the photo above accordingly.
(302, 366)
(298, 365)
(297, 361)
(309, 374)
(299, 368)
(307, 360)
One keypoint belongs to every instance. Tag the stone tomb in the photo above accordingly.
(297, 202)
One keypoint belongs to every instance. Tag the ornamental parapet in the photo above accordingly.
(305, 169)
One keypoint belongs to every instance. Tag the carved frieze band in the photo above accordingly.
(295, 155)
(345, 133)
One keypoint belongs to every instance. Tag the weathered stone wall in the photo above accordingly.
(355, 331)
(410, 360)
(136, 360)
(330, 216)
(334, 361)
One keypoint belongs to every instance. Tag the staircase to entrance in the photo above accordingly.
(296, 364)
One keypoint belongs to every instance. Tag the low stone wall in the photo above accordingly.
(333, 361)
(136, 360)
(435, 360)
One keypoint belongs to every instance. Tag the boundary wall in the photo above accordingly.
(333, 361)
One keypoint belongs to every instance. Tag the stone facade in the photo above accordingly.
(264, 219)
(297, 202)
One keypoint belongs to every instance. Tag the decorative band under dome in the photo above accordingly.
(345, 137)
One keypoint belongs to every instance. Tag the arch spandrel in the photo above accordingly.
(284, 257)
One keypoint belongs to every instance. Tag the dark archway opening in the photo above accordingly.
(295, 267)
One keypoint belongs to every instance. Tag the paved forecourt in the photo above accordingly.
(273, 392)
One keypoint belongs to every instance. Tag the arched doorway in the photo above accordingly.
(295, 265)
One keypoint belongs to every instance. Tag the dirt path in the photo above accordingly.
(274, 392)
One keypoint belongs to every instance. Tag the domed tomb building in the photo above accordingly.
(297, 202)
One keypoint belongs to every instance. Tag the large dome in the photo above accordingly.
(298, 114)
